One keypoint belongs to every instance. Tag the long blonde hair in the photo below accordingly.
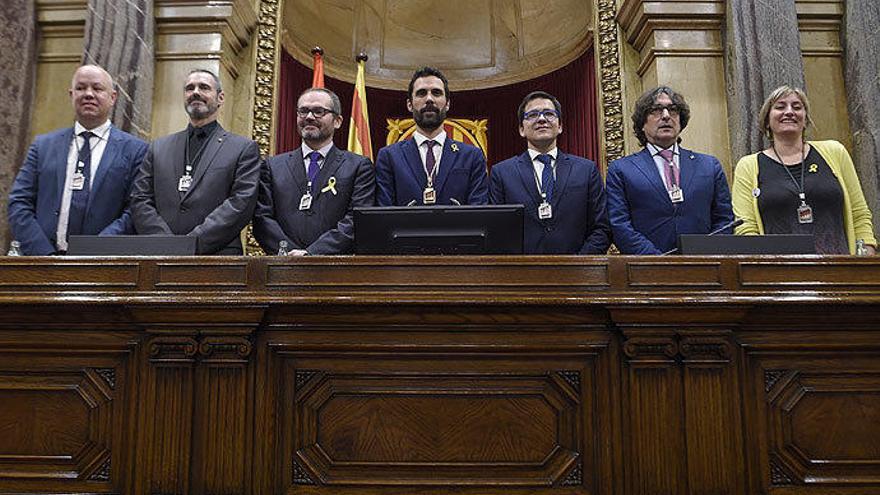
(776, 95)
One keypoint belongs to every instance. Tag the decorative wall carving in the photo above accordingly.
(102, 473)
(109, 376)
(228, 349)
(778, 475)
(576, 475)
(609, 80)
(266, 62)
(172, 349)
(300, 476)
(772, 377)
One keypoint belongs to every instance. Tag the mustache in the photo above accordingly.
(195, 98)
(429, 108)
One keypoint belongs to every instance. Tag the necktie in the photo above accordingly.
(79, 199)
(430, 159)
(314, 169)
(670, 170)
(547, 180)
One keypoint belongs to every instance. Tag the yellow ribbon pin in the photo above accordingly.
(331, 186)
(454, 147)
(814, 168)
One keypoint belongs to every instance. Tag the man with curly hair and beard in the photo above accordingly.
(664, 190)
(431, 168)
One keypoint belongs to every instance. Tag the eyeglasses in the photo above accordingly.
(657, 110)
(548, 114)
(318, 112)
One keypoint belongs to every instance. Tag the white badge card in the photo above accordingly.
(805, 213)
(305, 202)
(184, 183)
(545, 211)
(676, 195)
(78, 182)
(429, 197)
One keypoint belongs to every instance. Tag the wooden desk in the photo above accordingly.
(465, 375)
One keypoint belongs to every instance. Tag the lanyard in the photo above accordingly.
(79, 164)
(189, 163)
(799, 185)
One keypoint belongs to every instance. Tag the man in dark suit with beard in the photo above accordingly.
(431, 168)
(201, 181)
(307, 195)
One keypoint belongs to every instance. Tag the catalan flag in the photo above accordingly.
(318, 73)
(359, 127)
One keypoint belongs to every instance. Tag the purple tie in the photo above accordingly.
(670, 170)
(314, 169)
(430, 160)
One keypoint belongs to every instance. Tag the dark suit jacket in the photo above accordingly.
(216, 207)
(643, 218)
(400, 176)
(35, 199)
(327, 227)
(579, 224)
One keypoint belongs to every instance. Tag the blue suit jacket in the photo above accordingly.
(35, 199)
(643, 218)
(327, 227)
(580, 222)
(400, 176)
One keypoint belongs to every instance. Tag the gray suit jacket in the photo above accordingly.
(216, 207)
(327, 227)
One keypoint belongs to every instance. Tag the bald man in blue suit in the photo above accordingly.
(76, 181)
(563, 194)
(431, 168)
(664, 190)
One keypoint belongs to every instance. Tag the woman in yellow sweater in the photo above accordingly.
(801, 187)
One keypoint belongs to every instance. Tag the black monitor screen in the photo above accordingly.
(496, 229)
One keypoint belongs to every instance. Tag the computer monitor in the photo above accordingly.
(131, 245)
(747, 244)
(496, 229)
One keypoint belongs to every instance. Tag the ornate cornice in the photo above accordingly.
(265, 82)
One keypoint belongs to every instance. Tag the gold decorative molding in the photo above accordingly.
(611, 100)
(608, 70)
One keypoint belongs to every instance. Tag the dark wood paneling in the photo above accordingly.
(468, 375)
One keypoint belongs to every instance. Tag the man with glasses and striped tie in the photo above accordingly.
(563, 194)
(664, 190)
(307, 196)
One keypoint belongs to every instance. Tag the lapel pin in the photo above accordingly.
(756, 192)
(814, 168)
(692, 157)
(454, 147)
(331, 186)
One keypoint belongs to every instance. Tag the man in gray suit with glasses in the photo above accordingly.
(201, 181)
(307, 195)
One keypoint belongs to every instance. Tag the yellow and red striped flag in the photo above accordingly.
(359, 127)
(318, 71)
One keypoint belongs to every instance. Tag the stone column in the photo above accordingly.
(678, 44)
(762, 52)
(119, 37)
(18, 62)
(862, 66)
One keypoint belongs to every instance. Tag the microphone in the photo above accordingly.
(411, 203)
(729, 225)
(736, 222)
(455, 201)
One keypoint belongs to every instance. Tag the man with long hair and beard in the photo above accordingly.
(431, 168)
(201, 181)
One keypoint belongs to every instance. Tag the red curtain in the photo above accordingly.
(574, 85)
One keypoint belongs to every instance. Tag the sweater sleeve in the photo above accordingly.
(745, 179)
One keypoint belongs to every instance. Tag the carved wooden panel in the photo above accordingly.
(824, 428)
(428, 423)
(56, 425)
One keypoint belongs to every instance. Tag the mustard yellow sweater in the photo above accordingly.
(856, 215)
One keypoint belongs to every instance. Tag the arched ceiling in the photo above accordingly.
(477, 43)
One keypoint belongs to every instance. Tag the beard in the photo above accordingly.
(430, 121)
(200, 112)
(319, 133)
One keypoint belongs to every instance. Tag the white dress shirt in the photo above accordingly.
(539, 166)
(440, 139)
(98, 143)
(660, 162)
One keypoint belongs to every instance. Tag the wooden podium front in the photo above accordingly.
(441, 375)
